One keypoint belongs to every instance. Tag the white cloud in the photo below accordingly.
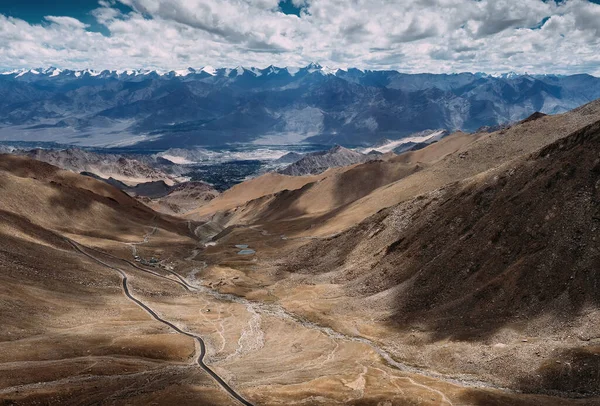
(416, 36)
(66, 22)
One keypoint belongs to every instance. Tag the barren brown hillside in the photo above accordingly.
(85, 323)
(488, 273)
(325, 207)
(264, 185)
(70, 335)
(514, 248)
(71, 203)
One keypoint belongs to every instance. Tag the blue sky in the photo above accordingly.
(418, 36)
(34, 11)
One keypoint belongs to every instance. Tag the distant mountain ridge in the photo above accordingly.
(130, 171)
(313, 67)
(204, 71)
(314, 104)
(318, 162)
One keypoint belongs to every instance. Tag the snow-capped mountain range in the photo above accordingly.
(272, 105)
(204, 71)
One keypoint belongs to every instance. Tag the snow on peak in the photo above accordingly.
(326, 70)
(184, 72)
(313, 67)
(323, 70)
(91, 72)
(24, 71)
(240, 70)
(12, 72)
(506, 75)
(292, 71)
(256, 72)
(210, 70)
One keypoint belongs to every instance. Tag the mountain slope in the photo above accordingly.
(70, 335)
(485, 153)
(63, 201)
(318, 162)
(83, 322)
(127, 170)
(511, 249)
(265, 185)
(333, 203)
(182, 198)
(480, 291)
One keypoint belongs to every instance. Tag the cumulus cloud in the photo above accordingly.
(66, 21)
(418, 36)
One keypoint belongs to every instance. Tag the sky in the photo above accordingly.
(493, 36)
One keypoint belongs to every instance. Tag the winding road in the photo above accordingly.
(182, 282)
(198, 339)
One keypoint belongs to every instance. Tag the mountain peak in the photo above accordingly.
(183, 72)
(336, 148)
(318, 162)
(210, 70)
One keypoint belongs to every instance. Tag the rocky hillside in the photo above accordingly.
(516, 246)
(183, 197)
(175, 200)
(124, 169)
(475, 258)
(350, 195)
(67, 201)
(318, 162)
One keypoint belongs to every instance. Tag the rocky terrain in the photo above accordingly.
(177, 199)
(182, 198)
(130, 171)
(148, 177)
(484, 268)
(336, 202)
(288, 158)
(84, 322)
(487, 261)
(318, 162)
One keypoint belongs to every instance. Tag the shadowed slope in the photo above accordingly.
(69, 334)
(71, 203)
(346, 196)
(516, 246)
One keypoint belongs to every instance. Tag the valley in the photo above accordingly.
(441, 275)
(299, 203)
